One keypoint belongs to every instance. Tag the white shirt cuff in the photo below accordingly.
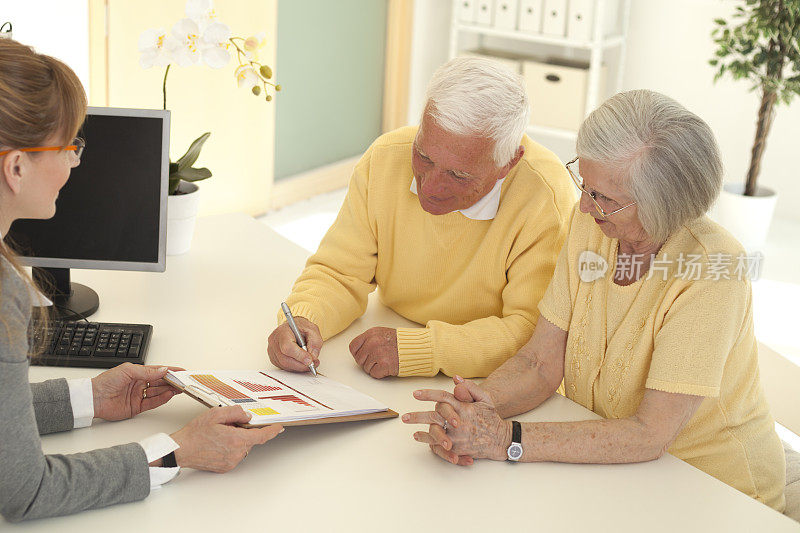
(156, 447)
(82, 401)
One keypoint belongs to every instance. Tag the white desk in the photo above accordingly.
(214, 308)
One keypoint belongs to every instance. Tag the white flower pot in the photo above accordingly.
(746, 217)
(181, 216)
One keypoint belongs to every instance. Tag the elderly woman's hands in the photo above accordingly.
(464, 426)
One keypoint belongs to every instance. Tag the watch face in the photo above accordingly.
(515, 451)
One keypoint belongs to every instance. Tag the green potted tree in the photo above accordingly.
(760, 44)
(199, 38)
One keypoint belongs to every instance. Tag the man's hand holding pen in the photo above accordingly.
(284, 351)
(375, 350)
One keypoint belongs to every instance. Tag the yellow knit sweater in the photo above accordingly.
(677, 329)
(475, 284)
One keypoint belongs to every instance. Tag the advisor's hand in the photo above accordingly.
(284, 351)
(127, 390)
(375, 351)
(214, 442)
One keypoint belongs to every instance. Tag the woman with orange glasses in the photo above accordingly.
(42, 105)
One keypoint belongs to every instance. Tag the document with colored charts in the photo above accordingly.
(280, 397)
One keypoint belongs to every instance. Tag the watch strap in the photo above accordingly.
(169, 461)
(516, 432)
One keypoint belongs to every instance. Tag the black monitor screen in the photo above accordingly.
(109, 210)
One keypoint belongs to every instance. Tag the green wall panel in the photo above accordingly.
(330, 63)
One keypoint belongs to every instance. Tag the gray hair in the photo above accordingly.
(670, 156)
(474, 95)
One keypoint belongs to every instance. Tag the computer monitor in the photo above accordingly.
(110, 215)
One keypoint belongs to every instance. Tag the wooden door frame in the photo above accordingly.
(399, 25)
(98, 52)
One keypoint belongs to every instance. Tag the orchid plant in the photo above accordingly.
(199, 38)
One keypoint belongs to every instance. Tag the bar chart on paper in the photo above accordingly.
(287, 398)
(264, 405)
(277, 396)
(264, 411)
(219, 387)
(256, 387)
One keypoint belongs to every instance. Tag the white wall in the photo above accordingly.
(669, 46)
(429, 48)
(59, 28)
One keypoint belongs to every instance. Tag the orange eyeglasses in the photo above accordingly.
(77, 145)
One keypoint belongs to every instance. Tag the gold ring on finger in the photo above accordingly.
(144, 393)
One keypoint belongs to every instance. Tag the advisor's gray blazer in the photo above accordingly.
(34, 485)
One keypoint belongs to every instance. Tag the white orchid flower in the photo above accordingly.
(187, 32)
(157, 48)
(246, 77)
(253, 44)
(211, 46)
(215, 43)
(201, 12)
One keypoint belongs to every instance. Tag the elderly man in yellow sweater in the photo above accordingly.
(458, 222)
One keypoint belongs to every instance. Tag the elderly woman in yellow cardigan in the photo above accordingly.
(648, 321)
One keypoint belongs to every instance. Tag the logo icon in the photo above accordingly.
(591, 266)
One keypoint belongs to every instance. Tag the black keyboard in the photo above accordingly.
(90, 344)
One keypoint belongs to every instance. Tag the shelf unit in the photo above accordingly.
(597, 47)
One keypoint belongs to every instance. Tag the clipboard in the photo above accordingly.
(211, 399)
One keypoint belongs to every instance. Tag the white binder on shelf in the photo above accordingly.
(580, 20)
(484, 12)
(554, 18)
(530, 15)
(505, 14)
(465, 10)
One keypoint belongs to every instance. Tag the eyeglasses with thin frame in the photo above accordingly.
(592, 195)
(77, 145)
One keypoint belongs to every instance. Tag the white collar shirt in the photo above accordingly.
(483, 209)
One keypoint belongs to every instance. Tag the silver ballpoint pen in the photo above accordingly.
(300, 340)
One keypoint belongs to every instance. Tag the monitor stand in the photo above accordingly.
(72, 301)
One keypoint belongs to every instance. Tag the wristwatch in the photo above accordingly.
(515, 450)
